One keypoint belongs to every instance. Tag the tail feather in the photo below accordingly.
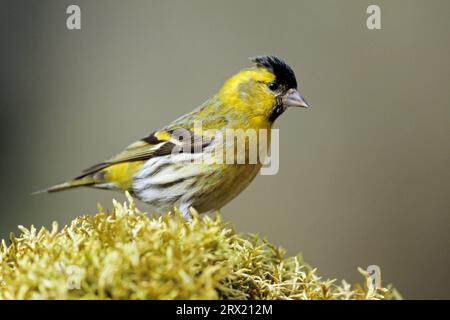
(85, 182)
(116, 176)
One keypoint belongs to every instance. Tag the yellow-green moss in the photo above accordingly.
(126, 255)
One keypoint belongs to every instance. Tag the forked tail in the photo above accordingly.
(83, 182)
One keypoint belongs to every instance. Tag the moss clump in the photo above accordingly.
(126, 255)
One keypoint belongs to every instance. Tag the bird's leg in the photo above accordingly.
(186, 212)
(187, 216)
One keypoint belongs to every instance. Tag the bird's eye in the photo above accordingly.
(273, 86)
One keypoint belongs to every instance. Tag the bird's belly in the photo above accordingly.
(228, 183)
(166, 182)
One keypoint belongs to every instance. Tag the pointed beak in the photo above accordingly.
(293, 98)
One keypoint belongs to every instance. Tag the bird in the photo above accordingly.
(151, 171)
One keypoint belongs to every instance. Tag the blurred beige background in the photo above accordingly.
(364, 175)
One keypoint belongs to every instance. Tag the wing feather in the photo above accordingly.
(158, 143)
